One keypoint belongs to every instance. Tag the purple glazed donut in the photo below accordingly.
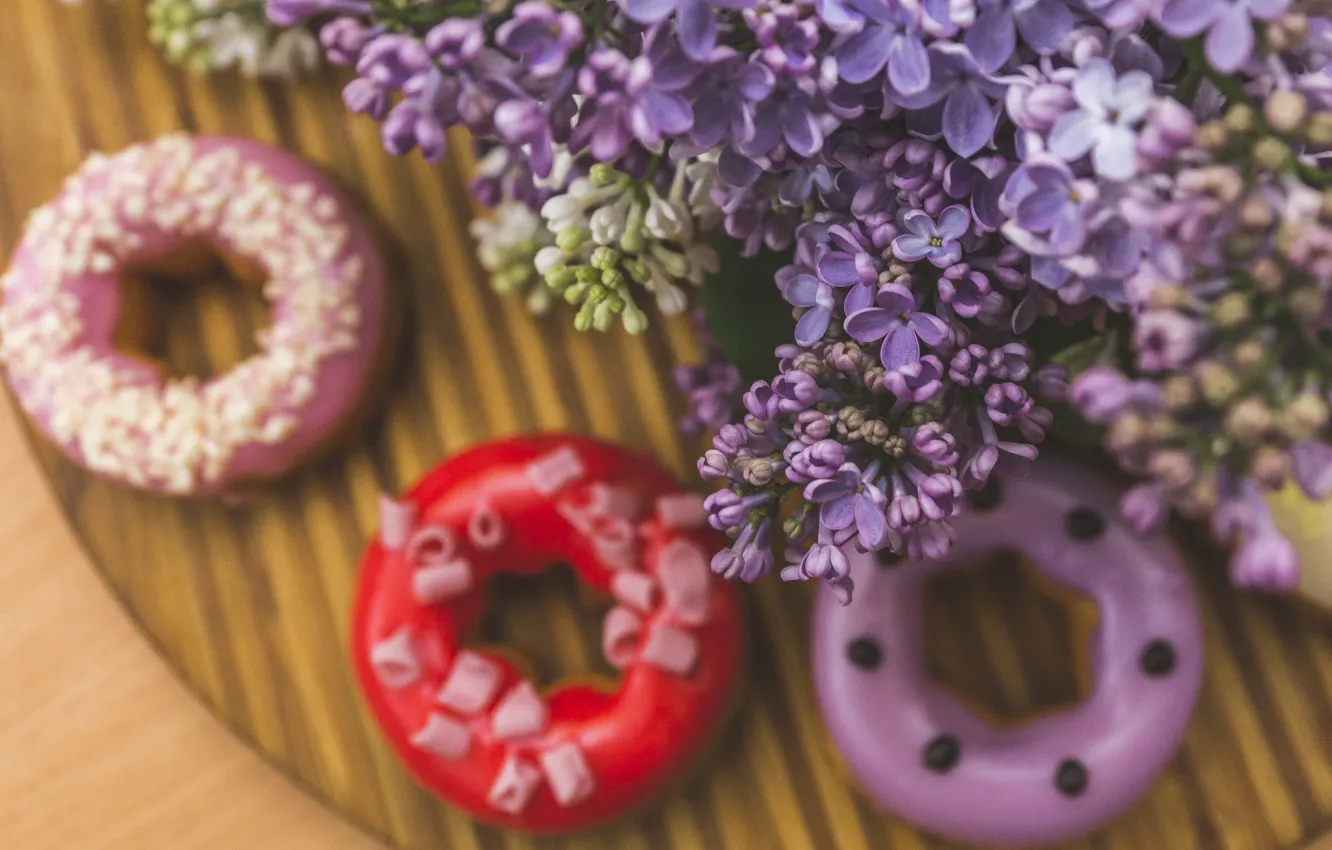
(116, 413)
(919, 752)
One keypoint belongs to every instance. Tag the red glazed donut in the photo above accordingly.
(465, 721)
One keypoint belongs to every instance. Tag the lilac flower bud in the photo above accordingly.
(456, 42)
(812, 426)
(727, 509)
(940, 496)
(1100, 392)
(1033, 426)
(1010, 362)
(904, 512)
(1144, 507)
(1265, 560)
(760, 401)
(713, 466)
(291, 13)
(1036, 108)
(343, 40)
(1311, 461)
(969, 366)
(363, 96)
(825, 561)
(795, 391)
(1051, 382)
(1006, 402)
(917, 381)
(391, 60)
(935, 444)
(731, 438)
(1169, 129)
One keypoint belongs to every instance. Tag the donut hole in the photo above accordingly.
(552, 621)
(1007, 641)
(193, 312)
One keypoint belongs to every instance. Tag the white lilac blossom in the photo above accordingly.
(949, 179)
(216, 35)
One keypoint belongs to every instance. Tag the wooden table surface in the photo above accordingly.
(101, 746)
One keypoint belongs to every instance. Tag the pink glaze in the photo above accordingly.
(919, 752)
(105, 409)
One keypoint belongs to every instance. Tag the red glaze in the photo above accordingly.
(634, 740)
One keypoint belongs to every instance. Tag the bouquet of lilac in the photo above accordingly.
(947, 179)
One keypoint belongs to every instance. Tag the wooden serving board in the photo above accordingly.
(250, 604)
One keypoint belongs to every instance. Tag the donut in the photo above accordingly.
(74, 316)
(918, 751)
(466, 720)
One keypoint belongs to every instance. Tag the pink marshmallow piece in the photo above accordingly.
(394, 660)
(671, 649)
(551, 472)
(568, 774)
(443, 736)
(521, 712)
(682, 511)
(431, 544)
(514, 786)
(635, 589)
(435, 583)
(615, 502)
(485, 529)
(471, 684)
(615, 543)
(396, 520)
(686, 582)
(619, 636)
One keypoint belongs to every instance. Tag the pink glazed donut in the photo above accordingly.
(66, 303)
(919, 752)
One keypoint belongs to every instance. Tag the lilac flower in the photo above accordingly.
(965, 89)
(963, 289)
(786, 39)
(1165, 340)
(1048, 208)
(981, 183)
(937, 243)
(749, 558)
(1006, 403)
(541, 35)
(916, 381)
(1010, 460)
(791, 115)
(795, 391)
(291, 13)
(802, 289)
(1145, 507)
(935, 444)
(970, 366)
(889, 36)
(810, 463)
(1228, 24)
(627, 99)
(1312, 464)
(826, 561)
(1265, 560)
(455, 43)
(1104, 125)
(851, 498)
(343, 39)
(728, 509)
(1100, 393)
(724, 96)
(896, 320)
(696, 20)
(1042, 23)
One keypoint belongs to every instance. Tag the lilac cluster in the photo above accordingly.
(950, 176)
(904, 387)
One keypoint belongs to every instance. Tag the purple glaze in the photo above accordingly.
(1002, 791)
(341, 379)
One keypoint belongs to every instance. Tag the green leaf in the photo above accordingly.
(745, 312)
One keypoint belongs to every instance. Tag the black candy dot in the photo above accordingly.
(1157, 659)
(1084, 524)
(987, 498)
(888, 558)
(865, 653)
(1071, 778)
(942, 754)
